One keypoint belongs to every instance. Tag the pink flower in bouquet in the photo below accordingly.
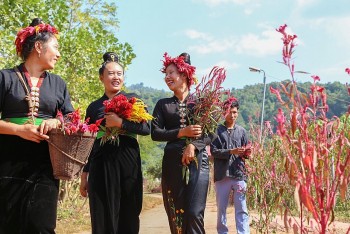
(72, 123)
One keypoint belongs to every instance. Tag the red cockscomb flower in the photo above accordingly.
(24, 33)
(72, 123)
(182, 66)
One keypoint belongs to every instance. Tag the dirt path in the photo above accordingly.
(154, 221)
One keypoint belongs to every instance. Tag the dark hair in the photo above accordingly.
(109, 57)
(36, 21)
(187, 57)
(28, 44)
(235, 104)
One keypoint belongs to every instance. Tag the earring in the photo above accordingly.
(39, 54)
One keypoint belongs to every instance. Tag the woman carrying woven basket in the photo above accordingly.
(112, 177)
(29, 99)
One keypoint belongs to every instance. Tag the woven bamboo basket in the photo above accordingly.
(69, 153)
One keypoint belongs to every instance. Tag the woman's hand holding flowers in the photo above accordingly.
(113, 120)
(121, 108)
(194, 131)
(30, 132)
(188, 154)
(47, 125)
(37, 133)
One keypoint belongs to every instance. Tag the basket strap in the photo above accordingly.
(74, 159)
(27, 97)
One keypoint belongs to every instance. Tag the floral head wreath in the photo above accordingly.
(182, 66)
(24, 33)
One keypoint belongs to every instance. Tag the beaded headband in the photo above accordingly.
(24, 33)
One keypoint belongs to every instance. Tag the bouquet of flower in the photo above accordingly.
(72, 123)
(132, 109)
(208, 101)
(208, 104)
(70, 144)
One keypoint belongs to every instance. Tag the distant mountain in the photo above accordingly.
(149, 95)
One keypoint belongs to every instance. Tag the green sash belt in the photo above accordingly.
(100, 133)
(23, 120)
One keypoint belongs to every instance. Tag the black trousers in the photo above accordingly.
(28, 205)
(115, 188)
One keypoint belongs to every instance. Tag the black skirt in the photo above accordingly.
(28, 190)
(184, 199)
(115, 187)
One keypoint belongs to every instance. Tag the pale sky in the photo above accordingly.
(236, 34)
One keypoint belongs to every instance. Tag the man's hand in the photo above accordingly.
(247, 152)
(238, 151)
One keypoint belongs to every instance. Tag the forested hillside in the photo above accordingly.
(250, 98)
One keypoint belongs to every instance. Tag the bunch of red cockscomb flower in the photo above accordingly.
(131, 109)
(120, 105)
(72, 123)
(209, 100)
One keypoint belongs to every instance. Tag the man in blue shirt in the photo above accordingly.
(230, 151)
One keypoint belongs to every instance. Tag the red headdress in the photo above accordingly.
(182, 66)
(24, 33)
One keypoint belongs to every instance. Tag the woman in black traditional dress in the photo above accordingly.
(112, 177)
(184, 199)
(29, 99)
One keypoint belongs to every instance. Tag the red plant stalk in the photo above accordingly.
(206, 104)
(269, 185)
(288, 46)
(313, 146)
(208, 100)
